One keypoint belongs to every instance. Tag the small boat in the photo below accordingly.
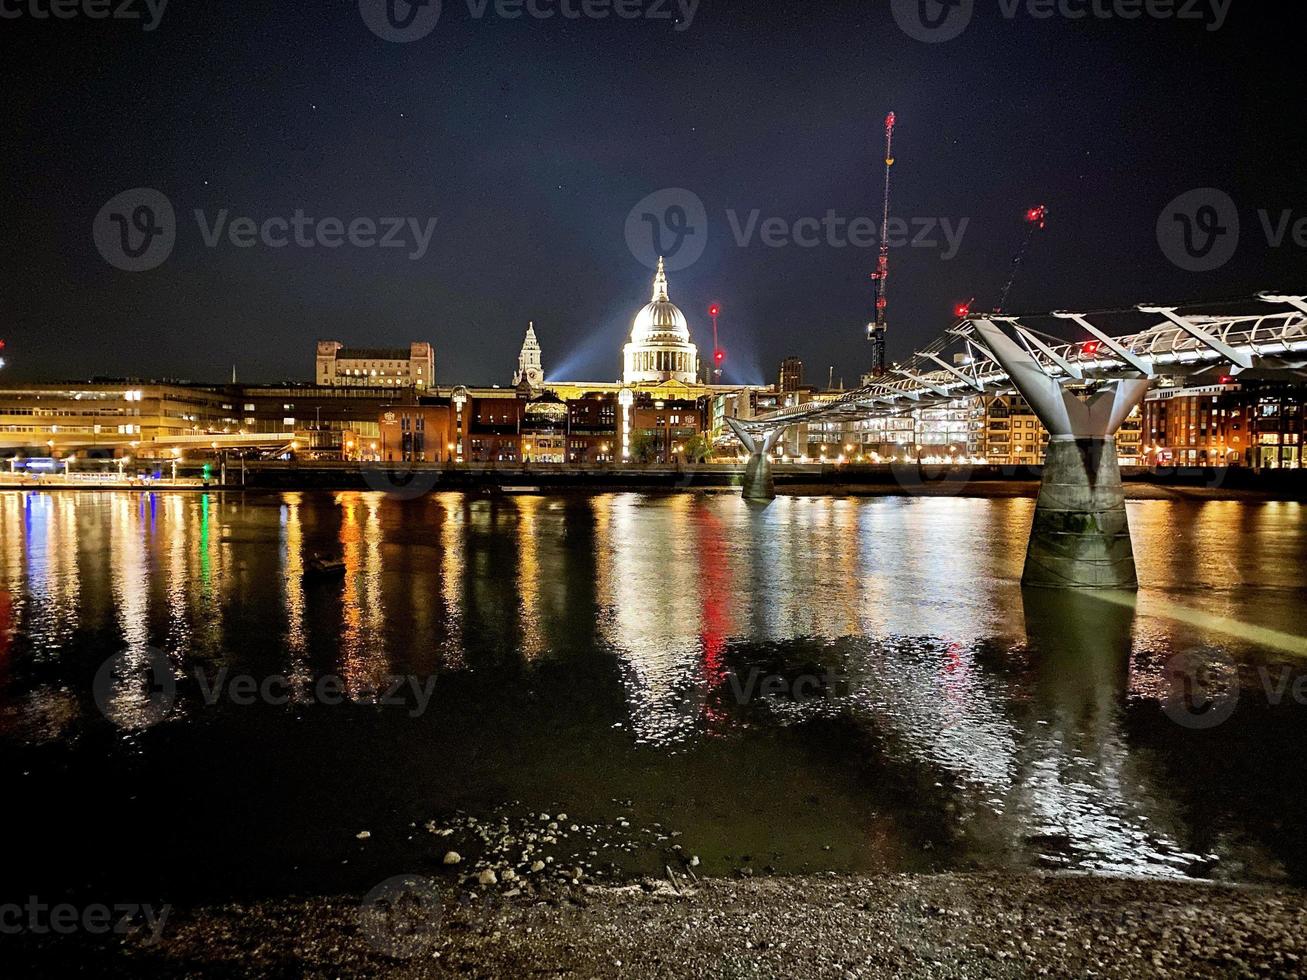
(519, 490)
(319, 568)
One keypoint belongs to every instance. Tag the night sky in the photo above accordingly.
(531, 140)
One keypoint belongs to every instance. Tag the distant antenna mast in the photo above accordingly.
(876, 330)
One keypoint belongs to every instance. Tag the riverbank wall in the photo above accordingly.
(801, 479)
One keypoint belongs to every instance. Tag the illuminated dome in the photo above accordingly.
(660, 348)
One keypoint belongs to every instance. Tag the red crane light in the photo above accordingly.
(962, 310)
(719, 356)
(714, 310)
(1090, 348)
(2, 345)
(1037, 215)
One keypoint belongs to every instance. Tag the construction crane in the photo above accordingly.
(1036, 219)
(876, 329)
(718, 355)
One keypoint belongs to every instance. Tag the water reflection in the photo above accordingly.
(1026, 723)
(1082, 800)
(365, 660)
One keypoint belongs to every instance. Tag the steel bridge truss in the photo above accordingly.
(1179, 343)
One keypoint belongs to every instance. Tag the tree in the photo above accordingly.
(644, 449)
(697, 448)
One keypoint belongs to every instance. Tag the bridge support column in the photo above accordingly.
(759, 483)
(1081, 535)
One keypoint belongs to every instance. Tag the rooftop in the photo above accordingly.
(373, 354)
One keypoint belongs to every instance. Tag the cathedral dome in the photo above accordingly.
(660, 349)
(662, 320)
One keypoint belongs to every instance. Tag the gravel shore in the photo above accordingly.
(952, 925)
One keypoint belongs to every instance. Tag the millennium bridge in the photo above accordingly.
(1082, 392)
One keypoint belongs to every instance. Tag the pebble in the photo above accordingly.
(487, 877)
(453, 857)
(363, 834)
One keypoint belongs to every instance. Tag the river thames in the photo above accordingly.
(854, 685)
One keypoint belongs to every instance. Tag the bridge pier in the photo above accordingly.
(759, 483)
(1080, 538)
(1081, 535)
